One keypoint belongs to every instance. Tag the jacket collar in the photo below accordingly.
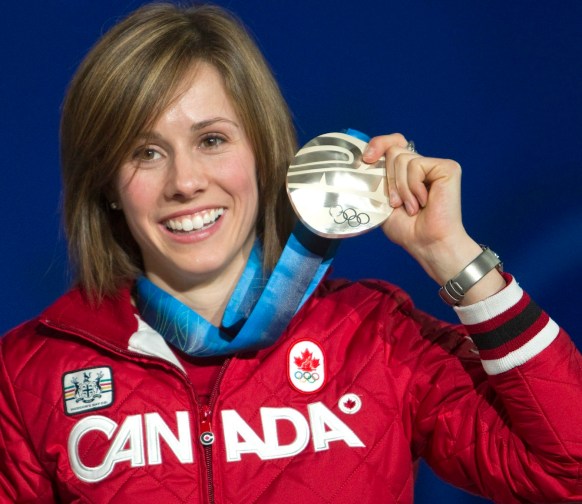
(112, 320)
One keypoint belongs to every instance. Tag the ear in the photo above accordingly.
(112, 198)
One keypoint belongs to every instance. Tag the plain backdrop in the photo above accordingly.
(495, 85)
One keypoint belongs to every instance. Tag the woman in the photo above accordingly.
(179, 373)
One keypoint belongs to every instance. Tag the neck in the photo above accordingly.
(207, 296)
(209, 300)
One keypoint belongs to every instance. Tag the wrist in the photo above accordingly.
(483, 271)
(445, 259)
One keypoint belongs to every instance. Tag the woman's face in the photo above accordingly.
(189, 189)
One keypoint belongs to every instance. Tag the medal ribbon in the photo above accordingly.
(259, 309)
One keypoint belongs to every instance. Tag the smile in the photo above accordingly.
(195, 221)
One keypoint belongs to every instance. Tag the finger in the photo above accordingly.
(417, 181)
(379, 145)
(396, 168)
(407, 173)
(393, 194)
(427, 175)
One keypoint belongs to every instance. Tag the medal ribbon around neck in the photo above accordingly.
(258, 311)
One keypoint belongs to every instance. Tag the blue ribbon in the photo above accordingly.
(259, 309)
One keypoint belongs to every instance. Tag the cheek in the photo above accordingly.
(251, 184)
(251, 192)
(136, 196)
(241, 180)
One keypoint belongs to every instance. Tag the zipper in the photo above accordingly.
(207, 440)
(207, 436)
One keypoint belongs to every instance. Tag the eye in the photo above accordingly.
(146, 154)
(212, 141)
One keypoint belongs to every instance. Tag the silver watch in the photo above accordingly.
(455, 289)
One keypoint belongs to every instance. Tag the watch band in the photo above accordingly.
(455, 289)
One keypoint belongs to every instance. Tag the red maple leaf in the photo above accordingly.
(306, 362)
(350, 404)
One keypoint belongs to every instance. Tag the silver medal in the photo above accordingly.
(333, 192)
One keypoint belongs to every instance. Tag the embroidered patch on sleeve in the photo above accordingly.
(87, 389)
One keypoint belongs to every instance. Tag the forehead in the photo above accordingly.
(201, 90)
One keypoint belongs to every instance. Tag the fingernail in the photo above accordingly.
(409, 208)
(368, 152)
(394, 199)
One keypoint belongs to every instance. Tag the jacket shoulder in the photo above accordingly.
(20, 339)
(372, 290)
(387, 307)
(112, 319)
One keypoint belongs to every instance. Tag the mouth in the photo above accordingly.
(194, 222)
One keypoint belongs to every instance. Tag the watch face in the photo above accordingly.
(334, 193)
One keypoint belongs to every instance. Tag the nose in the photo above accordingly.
(187, 176)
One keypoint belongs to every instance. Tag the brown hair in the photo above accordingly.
(119, 90)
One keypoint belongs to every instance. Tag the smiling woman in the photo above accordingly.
(204, 355)
(189, 195)
(100, 126)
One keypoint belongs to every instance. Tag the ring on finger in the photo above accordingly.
(411, 147)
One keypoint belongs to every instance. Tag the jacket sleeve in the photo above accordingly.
(22, 477)
(507, 427)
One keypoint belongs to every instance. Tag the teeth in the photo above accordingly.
(194, 222)
(197, 222)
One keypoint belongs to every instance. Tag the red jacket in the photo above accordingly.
(94, 407)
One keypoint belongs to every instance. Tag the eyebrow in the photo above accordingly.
(197, 126)
(209, 122)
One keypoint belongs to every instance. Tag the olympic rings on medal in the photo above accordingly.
(349, 216)
(306, 376)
